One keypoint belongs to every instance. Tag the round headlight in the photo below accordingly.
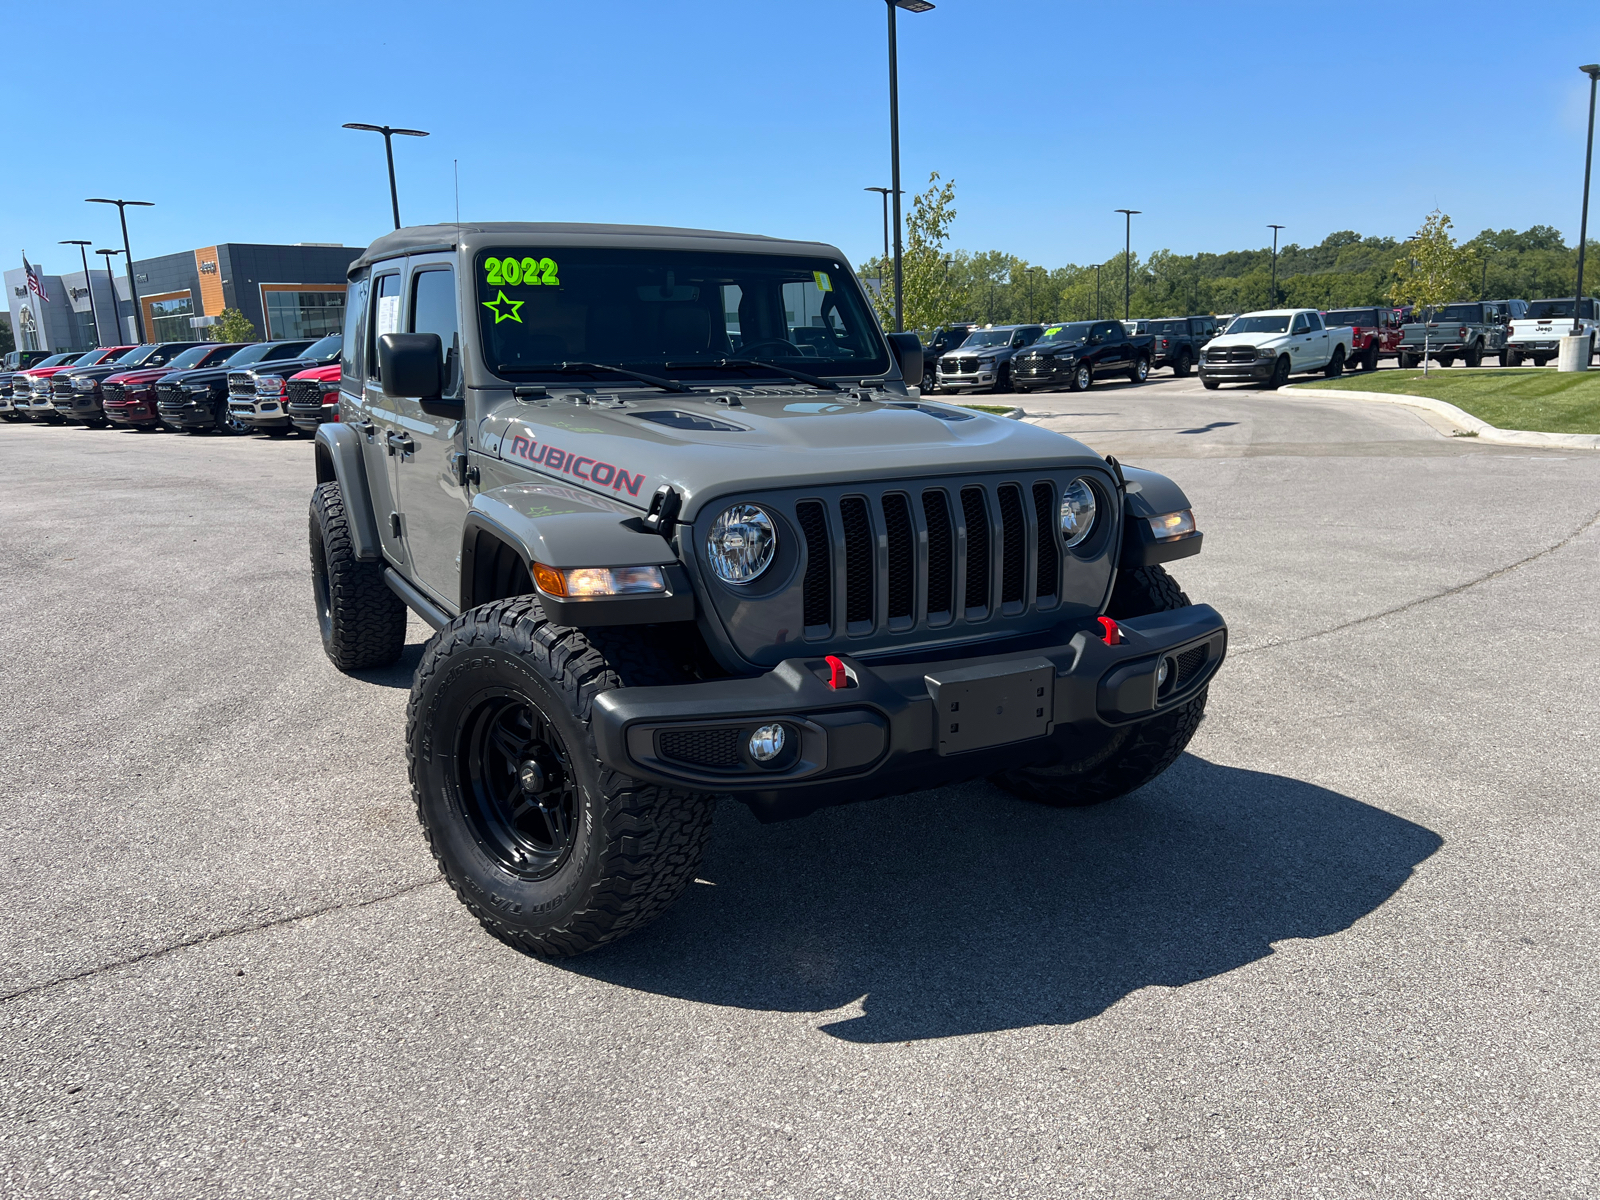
(741, 543)
(1077, 511)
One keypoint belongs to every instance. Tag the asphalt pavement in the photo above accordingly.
(1346, 947)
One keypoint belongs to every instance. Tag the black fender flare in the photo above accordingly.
(338, 454)
(1151, 494)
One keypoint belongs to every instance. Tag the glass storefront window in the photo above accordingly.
(304, 314)
(169, 320)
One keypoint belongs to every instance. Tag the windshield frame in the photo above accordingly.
(1060, 335)
(692, 270)
(1259, 322)
(236, 359)
(1003, 337)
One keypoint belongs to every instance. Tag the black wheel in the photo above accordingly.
(1447, 360)
(1123, 759)
(554, 852)
(1335, 367)
(1280, 373)
(363, 623)
(1183, 365)
(1474, 357)
(1404, 361)
(1002, 378)
(1540, 360)
(1082, 378)
(1369, 360)
(1140, 371)
(1210, 385)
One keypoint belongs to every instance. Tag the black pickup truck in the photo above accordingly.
(198, 399)
(1176, 341)
(946, 337)
(1073, 356)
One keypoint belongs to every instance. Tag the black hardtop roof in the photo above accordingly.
(470, 236)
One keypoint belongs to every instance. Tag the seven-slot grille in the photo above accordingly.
(241, 383)
(989, 549)
(1231, 354)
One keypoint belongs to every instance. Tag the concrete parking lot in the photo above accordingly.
(1347, 947)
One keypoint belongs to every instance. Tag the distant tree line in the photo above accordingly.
(1344, 269)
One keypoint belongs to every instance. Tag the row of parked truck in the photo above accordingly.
(227, 388)
(965, 357)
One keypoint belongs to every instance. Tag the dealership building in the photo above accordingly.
(284, 291)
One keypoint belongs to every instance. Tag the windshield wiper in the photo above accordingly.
(750, 364)
(586, 368)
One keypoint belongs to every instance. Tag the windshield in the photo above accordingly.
(325, 350)
(249, 354)
(1260, 324)
(1545, 310)
(139, 354)
(56, 360)
(649, 308)
(1075, 332)
(987, 337)
(1352, 316)
(192, 357)
(1458, 312)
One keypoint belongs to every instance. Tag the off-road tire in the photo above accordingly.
(1130, 756)
(1473, 357)
(1335, 367)
(635, 845)
(1184, 364)
(1280, 374)
(1405, 361)
(1446, 360)
(363, 623)
(1541, 360)
(1140, 371)
(1369, 360)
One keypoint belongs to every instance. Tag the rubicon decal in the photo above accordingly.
(592, 470)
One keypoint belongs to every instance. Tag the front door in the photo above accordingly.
(377, 419)
(431, 496)
(1109, 355)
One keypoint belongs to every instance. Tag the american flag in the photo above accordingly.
(34, 285)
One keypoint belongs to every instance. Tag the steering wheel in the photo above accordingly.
(746, 351)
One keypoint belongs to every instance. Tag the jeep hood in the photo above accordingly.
(706, 449)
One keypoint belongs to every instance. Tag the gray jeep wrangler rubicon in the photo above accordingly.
(683, 533)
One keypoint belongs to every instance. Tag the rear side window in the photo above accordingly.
(355, 320)
(384, 317)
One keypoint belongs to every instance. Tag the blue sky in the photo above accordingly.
(771, 116)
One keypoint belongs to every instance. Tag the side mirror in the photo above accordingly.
(907, 351)
(412, 364)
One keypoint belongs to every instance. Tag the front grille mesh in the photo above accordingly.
(305, 393)
(976, 515)
(1189, 662)
(170, 395)
(1049, 558)
(902, 589)
(701, 747)
(241, 383)
(1231, 354)
(858, 570)
(112, 392)
(941, 553)
(1013, 546)
(818, 586)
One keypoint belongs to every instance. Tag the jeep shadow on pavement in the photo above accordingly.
(684, 533)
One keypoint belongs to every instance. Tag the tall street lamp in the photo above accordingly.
(116, 317)
(1275, 229)
(133, 288)
(1097, 291)
(388, 150)
(915, 6)
(1127, 258)
(88, 283)
(1031, 291)
(1593, 72)
(883, 263)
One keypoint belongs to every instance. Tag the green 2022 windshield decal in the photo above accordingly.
(529, 272)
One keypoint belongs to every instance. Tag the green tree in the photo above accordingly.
(233, 326)
(1432, 270)
(929, 297)
(7, 342)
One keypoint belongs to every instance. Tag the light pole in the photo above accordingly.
(1593, 72)
(1275, 229)
(94, 314)
(1097, 291)
(916, 6)
(1032, 293)
(116, 317)
(883, 263)
(388, 151)
(1127, 258)
(133, 288)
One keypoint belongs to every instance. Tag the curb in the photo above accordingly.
(1482, 430)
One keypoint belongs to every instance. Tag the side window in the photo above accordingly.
(355, 321)
(383, 318)
(1313, 322)
(433, 310)
(1300, 325)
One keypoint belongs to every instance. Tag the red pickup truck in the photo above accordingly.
(1374, 333)
(313, 397)
(130, 396)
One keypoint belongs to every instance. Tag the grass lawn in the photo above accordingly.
(1002, 409)
(1506, 397)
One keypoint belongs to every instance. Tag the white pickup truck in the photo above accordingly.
(1267, 347)
(1537, 334)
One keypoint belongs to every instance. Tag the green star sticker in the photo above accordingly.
(499, 306)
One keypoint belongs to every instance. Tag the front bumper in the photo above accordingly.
(132, 410)
(78, 407)
(188, 414)
(307, 417)
(39, 407)
(961, 383)
(897, 727)
(1260, 368)
(260, 414)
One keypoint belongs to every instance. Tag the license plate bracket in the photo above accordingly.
(975, 708)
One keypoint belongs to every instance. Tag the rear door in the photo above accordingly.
(424, 445)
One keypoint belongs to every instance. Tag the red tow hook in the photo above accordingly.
(839, 678)
(1113, 635)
